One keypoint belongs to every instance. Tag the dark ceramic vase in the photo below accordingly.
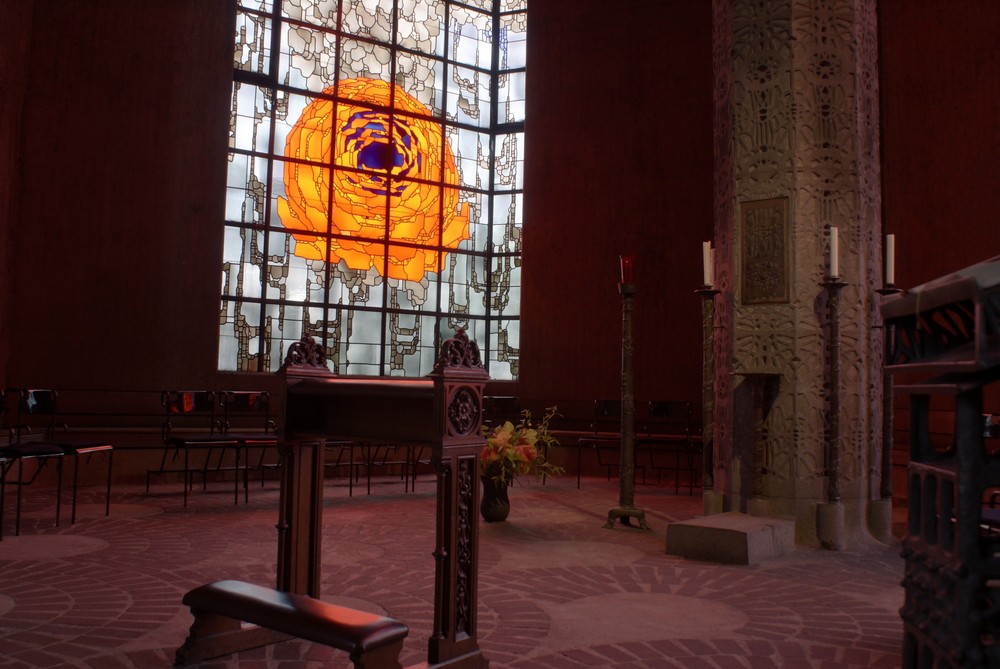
(495, 505)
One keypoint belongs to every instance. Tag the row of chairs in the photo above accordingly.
(666, 439)
(207, 432)
(33, 437)
(406, 461)
(217, 433)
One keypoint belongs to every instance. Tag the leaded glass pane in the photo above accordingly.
(509, 163)
(364, 59)
(252, 46)
(264, 6)
(482, 4)
(471, 38)
(242, 270)
(504, 349)
(513, 41)
(246, 196)
(317, 12)
(421, 26)
(506, 229)
(308, 58)
(510, 97)
(505, 286)
(370, 18)
(422, 78)
(468, 98)
(467, 286)
(250, 125)
(295, 105)
(472, 150)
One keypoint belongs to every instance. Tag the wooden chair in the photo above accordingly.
(22, 446)
(668, 439)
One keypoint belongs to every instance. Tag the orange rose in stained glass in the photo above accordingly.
(395, 166)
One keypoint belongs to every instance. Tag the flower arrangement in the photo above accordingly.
(512, 449)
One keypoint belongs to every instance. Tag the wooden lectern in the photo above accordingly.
(442, 411)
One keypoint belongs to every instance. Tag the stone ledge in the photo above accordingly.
(731, 538)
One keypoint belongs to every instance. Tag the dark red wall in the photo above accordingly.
(940, 133)
(117, 239)
(619, 161)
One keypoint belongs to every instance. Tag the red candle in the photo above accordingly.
(628, 262)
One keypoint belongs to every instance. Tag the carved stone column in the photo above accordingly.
(796, 128)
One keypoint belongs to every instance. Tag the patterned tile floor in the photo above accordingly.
(556, 588)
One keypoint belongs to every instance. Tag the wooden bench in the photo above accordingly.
(220, 608)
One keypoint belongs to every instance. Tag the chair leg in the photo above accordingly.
(107, 492)
(59, 472)
(76, 468)
(236, 475)
(17, 511)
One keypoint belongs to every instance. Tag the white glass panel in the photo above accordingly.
(252, 47)
(509, 162)
(510, 95)
(421, 25)
(513, 42)
(361, 59)
(251, 126)
(368, 17)
(472, 150)
(317, 12)
(423, 79)
(308, 58)
(468, 96)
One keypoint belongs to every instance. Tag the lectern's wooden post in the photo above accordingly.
(300, 508)
(459, 380)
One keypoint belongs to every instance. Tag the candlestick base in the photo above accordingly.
(623, 513)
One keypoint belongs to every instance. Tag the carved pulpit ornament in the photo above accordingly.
(464, 411)
(306, 352)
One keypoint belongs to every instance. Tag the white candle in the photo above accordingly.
(834, 253)
(706, 263)
(890, 260)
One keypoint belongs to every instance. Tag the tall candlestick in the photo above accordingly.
(628, 262)
(707, 264)
(834, 253)
(890, 260)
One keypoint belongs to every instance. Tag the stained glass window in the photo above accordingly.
(374, 195)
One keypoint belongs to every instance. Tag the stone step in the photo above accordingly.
(731, 538)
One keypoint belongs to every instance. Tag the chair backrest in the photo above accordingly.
(196, 409)
(607, 415)
(669, 417)
(29, 413)
(246, 407)
(500, 408)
